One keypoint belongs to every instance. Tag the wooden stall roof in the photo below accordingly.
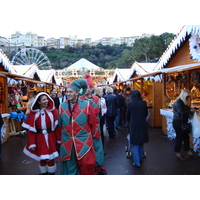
(23, 78)
(176, 43)
(25, 72)
(159, 69)
(181, 68)
(121, 74)
(46, 75)
(141, 68)
(4, 61)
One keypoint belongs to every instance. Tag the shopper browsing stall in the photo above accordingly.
(182, 112)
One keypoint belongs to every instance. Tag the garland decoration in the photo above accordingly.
(195, 47)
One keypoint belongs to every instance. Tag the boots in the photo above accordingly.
(43, 170)
(47, 170)
(51, 169)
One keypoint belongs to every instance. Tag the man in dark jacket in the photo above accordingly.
(53, 95)
(112, 106)
(120, 109)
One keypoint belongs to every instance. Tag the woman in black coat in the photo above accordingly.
(182, 113)
(136, 115)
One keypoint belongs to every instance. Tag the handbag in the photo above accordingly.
(186, 128)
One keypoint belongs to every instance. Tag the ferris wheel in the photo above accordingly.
(30, 56)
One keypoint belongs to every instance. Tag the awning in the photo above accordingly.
(181, 68)
(27, 79)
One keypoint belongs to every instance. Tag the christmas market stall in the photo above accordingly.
(180, 65)
(47, 76)
(5, 67)
(19, 87)
(119, 76)
(148, 82)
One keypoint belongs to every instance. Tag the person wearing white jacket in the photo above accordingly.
(99, 92)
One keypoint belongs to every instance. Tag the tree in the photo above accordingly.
(126, 60)
(167, 38)
(150, 49)
(156, 48)
(141, 46)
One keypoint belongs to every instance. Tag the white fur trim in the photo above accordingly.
(36, 98)
(28, 127)
(42, 157)
(52, 120)
(32, 146)
(56, 122)
(43, 169)
(51, 169)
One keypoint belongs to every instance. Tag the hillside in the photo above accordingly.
(109, 57)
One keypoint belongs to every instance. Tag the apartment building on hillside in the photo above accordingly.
(29, 39)
(32, 40)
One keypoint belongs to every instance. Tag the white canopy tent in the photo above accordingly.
(83, 63)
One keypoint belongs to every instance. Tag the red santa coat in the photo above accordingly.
(45, 142)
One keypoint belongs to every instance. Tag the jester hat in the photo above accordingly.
(79, 84)
(88, 80)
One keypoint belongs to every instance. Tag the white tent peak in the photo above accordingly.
(83, 63)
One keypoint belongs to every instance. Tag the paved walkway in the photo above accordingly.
(160, 157)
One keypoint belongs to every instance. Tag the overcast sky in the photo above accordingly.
(94, 18)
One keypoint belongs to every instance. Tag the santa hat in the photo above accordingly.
(88, 80)
(79, 84)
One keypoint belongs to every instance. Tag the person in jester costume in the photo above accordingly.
(98, 145)
(78, 123)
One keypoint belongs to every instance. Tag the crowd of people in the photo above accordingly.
(70, 125)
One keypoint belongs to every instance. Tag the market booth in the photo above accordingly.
(142, 77)
(49, 77)
(5, 66)
(19, 86)
(180, 65)
(148, 82)
(120, 75)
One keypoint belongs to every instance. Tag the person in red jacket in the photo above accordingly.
(43, 133)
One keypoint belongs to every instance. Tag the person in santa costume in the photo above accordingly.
(97, 139)
(78, 124)
(43, 133)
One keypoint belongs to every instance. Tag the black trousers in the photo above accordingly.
(111, 127)
(180, 137)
